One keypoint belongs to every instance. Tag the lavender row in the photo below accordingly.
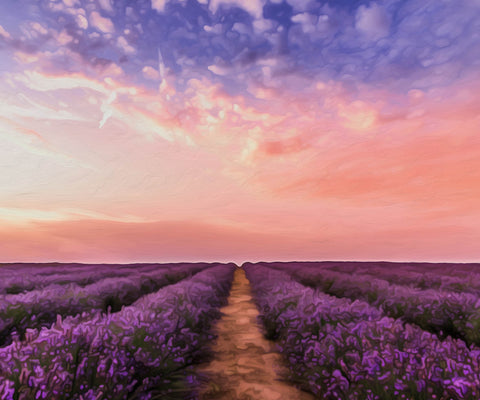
(18, 278)
(23, 281)
(440, 276)
(142, 352)
(440, 312)
(43, 269)
(463, 282)
(339, 349)
(434, 269)
(39, 308)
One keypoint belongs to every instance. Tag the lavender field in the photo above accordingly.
(374, 330)
(133, 334)
(343, 330)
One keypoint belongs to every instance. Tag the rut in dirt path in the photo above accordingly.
(246, 366)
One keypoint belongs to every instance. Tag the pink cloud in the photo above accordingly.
(102, 24)
(159, 5)
(4, 33)
(11, 125)
(82, 21)
(125, 46)
(150, 73)
(289, 145)
(71, 3)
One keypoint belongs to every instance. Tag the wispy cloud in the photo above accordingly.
(22, 216)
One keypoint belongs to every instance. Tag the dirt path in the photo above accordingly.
(245, 363)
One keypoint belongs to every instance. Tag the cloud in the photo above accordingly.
(358, 115)
(107, 109)
(18, 215)
(63, 38)
(102, 24)
(106, 5)
(379, 42)
(254, 7)
(32, 109)
(306, 20)
(159, 5)
(4, 33)
(7, 125)
(217, 70)
(372, 21)
(299, 5)
(82, 22)
(45, 82)
(39, 28)
(150, 73)
(261, 25)
(19, 136)
(125, 46)
(71, 3)
(144, 112)
(25, 58)
(292, 144)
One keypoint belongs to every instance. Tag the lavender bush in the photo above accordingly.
(441, 312)
(342, 349)
(141, 352)
(24, 280)
(448, 277)
(39, 308)
(20, 278)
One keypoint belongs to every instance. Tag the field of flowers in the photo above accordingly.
(440, 311)
(99, 332)
(40, 307)
(347, 332)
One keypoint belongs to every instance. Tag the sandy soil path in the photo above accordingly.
(246, 365)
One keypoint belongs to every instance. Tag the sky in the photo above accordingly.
(229, 130)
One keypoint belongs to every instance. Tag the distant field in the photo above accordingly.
(345, 330)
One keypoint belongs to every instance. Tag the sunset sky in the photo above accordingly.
(234, 130)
